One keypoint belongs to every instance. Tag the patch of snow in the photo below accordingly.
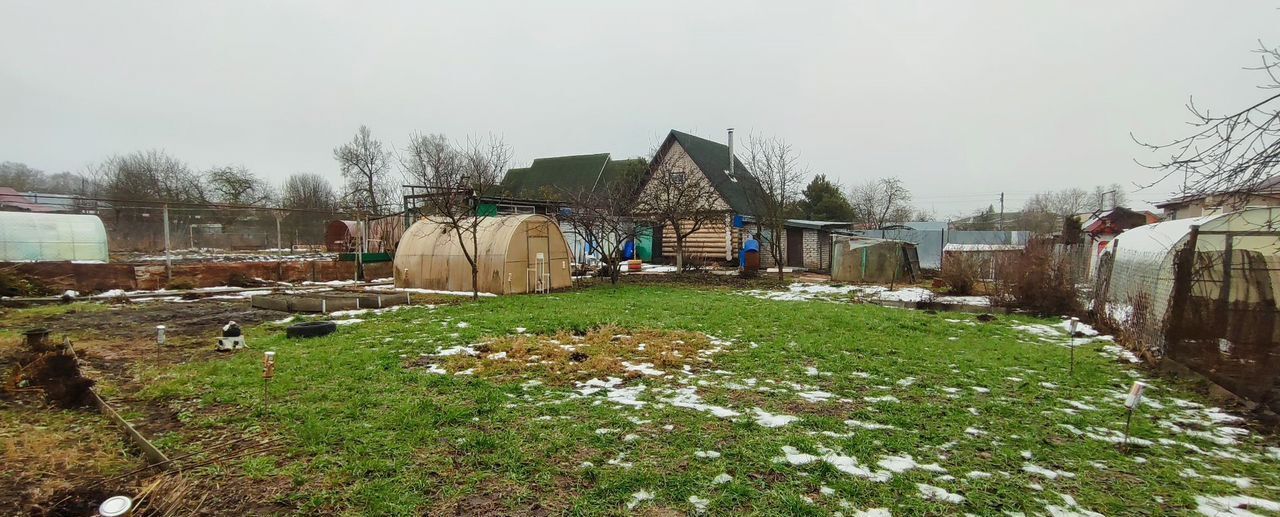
(767, 419)
(1031, 468)
(721, 479)
(643, 368)
(706, 455)
(688, 398)
(815, 395)
(867, 425)
(934, 493)
(699, 504)
(900, 464)
(639, 497)
(1234, 505)
(883, 398)
(351, 321)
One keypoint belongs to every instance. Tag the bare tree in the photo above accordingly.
(236, 185)
(151, 176)
(879, 202)
(603, 217)
(308, 197)
(365, 166)
(454, 177)
(776, 168)
(1230, 155)
(678, 195)
(307, 191)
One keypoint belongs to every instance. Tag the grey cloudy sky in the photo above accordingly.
(960, 99)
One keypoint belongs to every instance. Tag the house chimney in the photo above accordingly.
(731, 160)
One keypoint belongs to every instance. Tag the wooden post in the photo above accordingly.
(1224, 295)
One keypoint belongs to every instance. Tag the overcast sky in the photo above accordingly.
(962, 100)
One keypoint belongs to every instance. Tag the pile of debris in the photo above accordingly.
(48, 368)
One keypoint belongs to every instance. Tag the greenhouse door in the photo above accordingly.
(539, 272)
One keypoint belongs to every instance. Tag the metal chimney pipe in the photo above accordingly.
(731, 159)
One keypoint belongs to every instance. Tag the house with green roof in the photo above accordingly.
(554, 177)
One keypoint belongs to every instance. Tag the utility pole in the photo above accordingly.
(1001, 220)
(168, 262)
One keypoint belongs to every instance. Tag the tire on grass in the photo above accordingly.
(310, 329)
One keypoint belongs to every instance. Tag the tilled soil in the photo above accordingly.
(113, 345)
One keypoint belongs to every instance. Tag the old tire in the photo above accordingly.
(310, 329)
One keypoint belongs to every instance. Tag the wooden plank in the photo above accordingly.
(153, 454)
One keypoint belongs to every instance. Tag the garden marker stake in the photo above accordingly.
(159, 340)
(1131, 403)
(268, 371)
(1072, 346)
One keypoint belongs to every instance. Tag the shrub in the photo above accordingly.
(961, 272)
(1039, 281)
(13, 283)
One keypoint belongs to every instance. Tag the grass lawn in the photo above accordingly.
(721, 402)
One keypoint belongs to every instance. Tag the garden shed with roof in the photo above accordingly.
(514, 253)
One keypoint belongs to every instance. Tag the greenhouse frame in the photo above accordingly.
(1201, 292)
(44, 237)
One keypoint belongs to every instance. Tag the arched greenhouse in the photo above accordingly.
(1201, 292)
(43, 237)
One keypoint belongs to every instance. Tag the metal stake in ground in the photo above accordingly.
(1131, 404)
(268, 371)
(1072, 346)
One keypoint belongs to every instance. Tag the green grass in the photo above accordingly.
(370, 436)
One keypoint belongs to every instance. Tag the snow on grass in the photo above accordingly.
(706, 455)
(638, 498)
(815, 395)
(688, 398)
(643, 368)
(699, 504)
(350, 321)
(767, 419)
(1069, 508)
(903, 463)
(872, 426)
(934, 493)
(882, 398)
(1034, 469)
(455, 350)
(1234, 505)
(873, 512)
(721, 479)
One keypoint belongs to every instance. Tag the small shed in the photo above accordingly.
(45, 237)
(871, 260)
(517, 254)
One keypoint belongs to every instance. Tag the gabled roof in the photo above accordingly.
(743, 193)
(551, 176)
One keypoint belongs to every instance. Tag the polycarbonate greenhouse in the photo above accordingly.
(1202, 292)
(43, 237)
(517, 254)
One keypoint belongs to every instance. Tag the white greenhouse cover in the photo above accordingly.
(32, 237)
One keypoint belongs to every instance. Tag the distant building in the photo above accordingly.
(1103, 226)
(14, 201)
(1195, 205)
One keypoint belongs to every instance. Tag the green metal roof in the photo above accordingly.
(743, 193)
(549, 178)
